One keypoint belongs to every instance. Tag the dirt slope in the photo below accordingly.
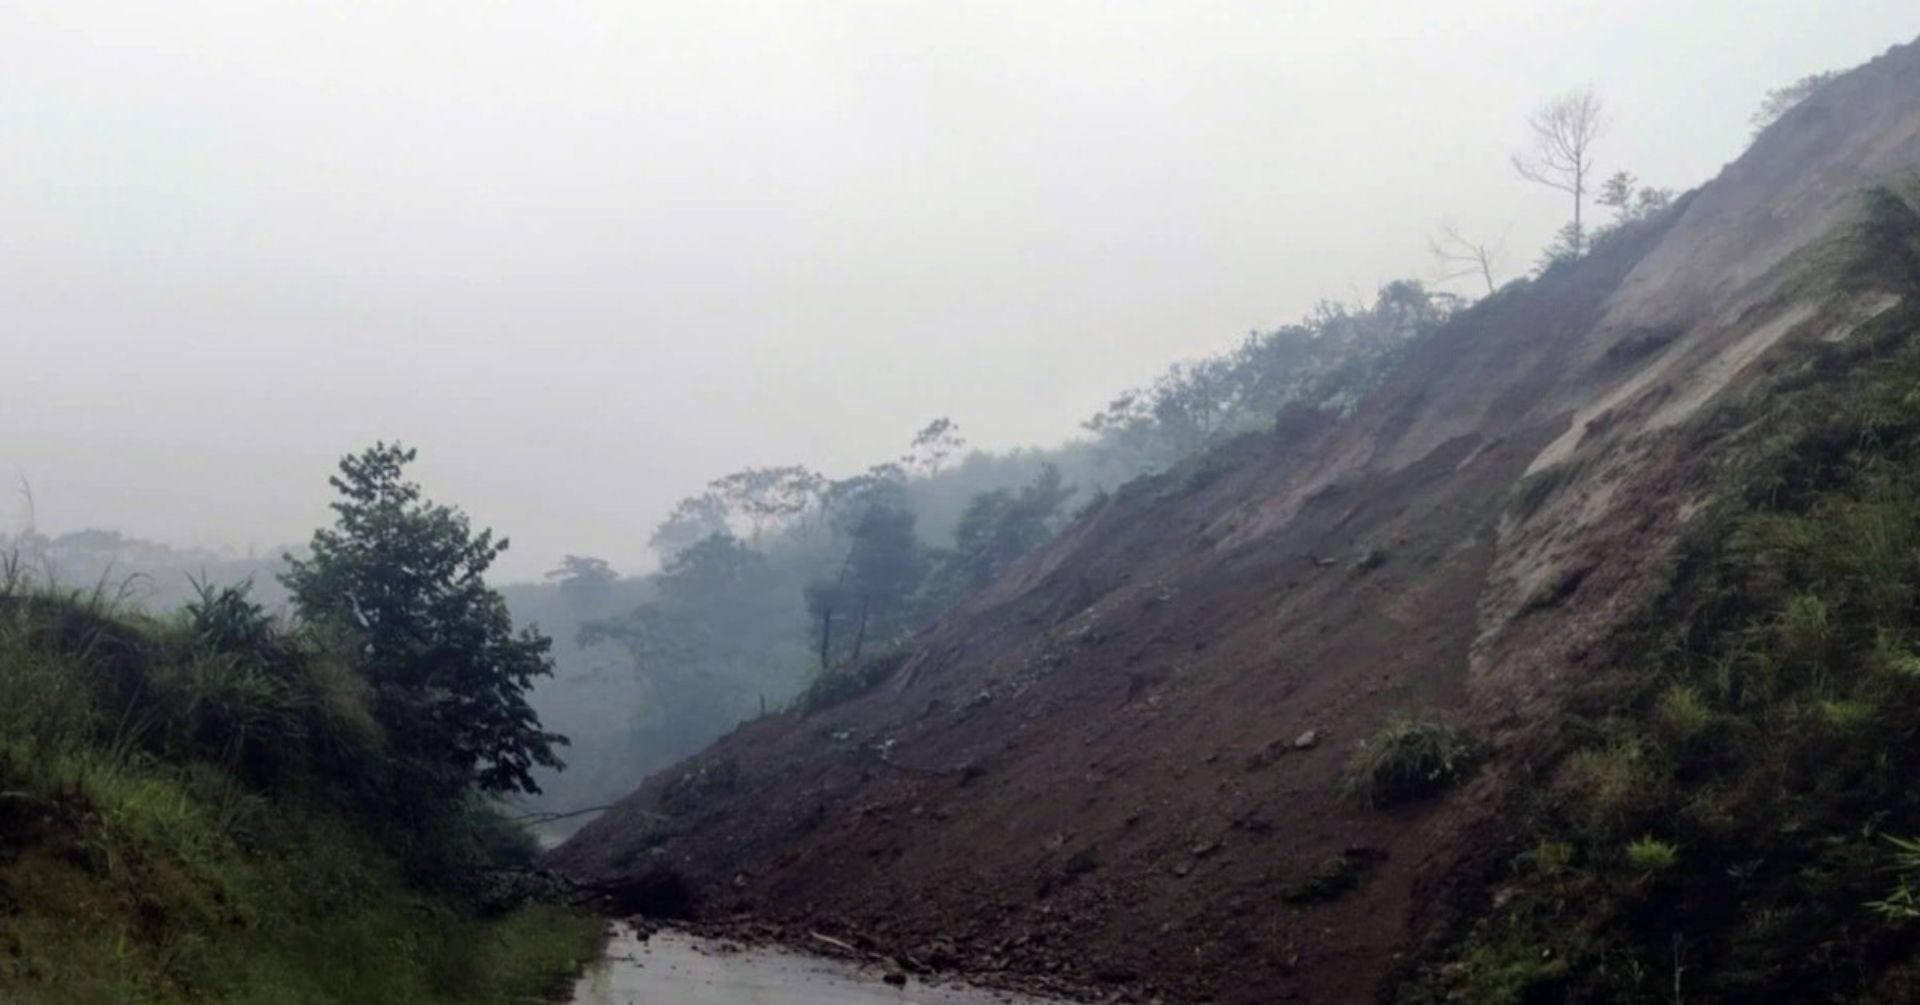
(1091, 770)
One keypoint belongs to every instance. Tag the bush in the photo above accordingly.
(1650, 855)
(838, 685)
(197, 844)
(1412, 757)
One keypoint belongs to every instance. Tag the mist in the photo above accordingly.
(586, 258)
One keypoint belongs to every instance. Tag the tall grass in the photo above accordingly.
(182, 820)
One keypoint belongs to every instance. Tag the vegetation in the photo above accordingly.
(202, 808)
(780, 585)
(1731, 819)
(400, 579)
(1781, 100)
(1411, 757)
(1561, 135)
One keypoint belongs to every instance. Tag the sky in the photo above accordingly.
(586, 256)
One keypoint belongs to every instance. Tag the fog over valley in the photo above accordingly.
(588, 257)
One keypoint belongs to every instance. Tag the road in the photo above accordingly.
(671, 968)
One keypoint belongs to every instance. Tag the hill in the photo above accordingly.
(1130, 760)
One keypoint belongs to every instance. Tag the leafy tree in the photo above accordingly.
(874, 591)
(932, 445)
(998, 528)
(694, 519)
(1630, 200)
(403, 577)
(769, 497)
(700, 646)
(586, 583)
(1330, 360)
(1561, 134)
(1782, 100)
(849, 500)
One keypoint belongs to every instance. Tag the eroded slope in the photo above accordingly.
(1122, 762)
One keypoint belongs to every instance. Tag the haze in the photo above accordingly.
(588, 256)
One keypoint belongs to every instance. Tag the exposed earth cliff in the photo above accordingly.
(1123, 764)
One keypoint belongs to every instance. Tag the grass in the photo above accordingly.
(173, 829)
(1411, 757)
(1730, 813)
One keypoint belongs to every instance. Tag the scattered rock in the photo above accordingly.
(1307, 740)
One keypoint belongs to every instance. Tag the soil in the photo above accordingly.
(1097, 775)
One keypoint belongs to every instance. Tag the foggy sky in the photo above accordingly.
(587, 256)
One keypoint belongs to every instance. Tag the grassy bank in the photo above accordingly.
(1728, 816)
(191, 811)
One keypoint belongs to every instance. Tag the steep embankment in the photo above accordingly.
(1122, 763)
(177, 825)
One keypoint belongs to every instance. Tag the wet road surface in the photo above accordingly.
(672, 968)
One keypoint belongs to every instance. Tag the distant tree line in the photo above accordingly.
(772, 578)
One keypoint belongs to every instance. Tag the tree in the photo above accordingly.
(848, 500)
(874, 591)
(1630, 200)
(997, 529)
(586, 583)
(1782, 100)
(933, 444)
(768, 497)
(700, 647)
(1560, 153)
(1461, 258)
(403, 578)
(694, 519)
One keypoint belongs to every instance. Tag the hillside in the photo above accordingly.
(1123, 763)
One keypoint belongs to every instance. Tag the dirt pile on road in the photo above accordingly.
(1122, 764)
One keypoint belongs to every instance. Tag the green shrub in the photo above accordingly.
(1683, 714)
(1411, 757)
(838, 685)
(1649, 855)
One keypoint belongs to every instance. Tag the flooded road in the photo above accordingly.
(672, 968)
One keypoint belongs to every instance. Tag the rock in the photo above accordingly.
(895, 976)
(1307, 740)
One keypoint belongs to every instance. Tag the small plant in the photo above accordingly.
(1334, 877)
(1649, 855)
(1901, 903)
(1682, 713)
(1548, 858)
(1411, 757)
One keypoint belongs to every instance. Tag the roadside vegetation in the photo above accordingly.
(224, 806)
(1731, 816)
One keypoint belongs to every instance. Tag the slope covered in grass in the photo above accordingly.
(190, 812)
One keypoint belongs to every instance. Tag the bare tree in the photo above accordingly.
(1561, 155)
(1461, 257)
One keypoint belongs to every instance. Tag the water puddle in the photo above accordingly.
(672, 968)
